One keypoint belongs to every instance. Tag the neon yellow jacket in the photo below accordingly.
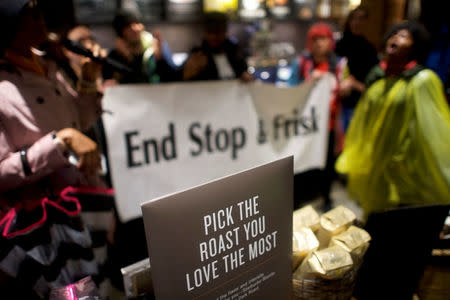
(397, 148)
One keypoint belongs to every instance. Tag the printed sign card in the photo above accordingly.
(227, 239)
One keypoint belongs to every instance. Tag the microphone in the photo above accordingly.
(78, 48)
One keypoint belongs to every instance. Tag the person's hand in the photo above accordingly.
(349, 84)
(358, 85)
(107, 83)
(83, 147)
(246, 77)
(91, 70)
(316, 74)
(345, 87)
(196, 63)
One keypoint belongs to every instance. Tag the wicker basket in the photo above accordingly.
(325, 289)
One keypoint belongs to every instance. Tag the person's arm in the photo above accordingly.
(433, 117)
(194, 65)
(237, 60)
(89, 85)
(246, 77)
(167, 72)
(157, 59)
(89, 108)
(348, 83)
(19, 167)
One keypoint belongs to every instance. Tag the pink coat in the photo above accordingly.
(31, 109)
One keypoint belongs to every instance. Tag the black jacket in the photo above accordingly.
(361, 56)
(164, 70)
(233, 54)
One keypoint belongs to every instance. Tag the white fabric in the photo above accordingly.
(175, 117)
(223, 66)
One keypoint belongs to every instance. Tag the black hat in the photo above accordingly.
(10, 9)
(215, 21)
(124, 18)
(421, 39)
(9, 17)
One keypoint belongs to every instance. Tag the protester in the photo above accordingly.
(396, 148)
(219, 56)
(149, 58)
(439, 58)
(318, 60)
(41, 119)
(361, 57)
(97, 206)
(147, 54)
(114, 247)
(82, 35)
(436, 21)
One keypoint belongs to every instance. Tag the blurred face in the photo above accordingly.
(31, 31)
(399, 45)
(82, 35)
(358, 22)
(215, 39)
(321, 46)
(132, 33)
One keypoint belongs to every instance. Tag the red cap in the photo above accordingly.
(319, 29)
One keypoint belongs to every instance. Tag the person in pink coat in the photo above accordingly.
(41, 120)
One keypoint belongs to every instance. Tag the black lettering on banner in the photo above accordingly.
(277, 123)
(262, 137)
(169, 149)
(131, 163)
(287, 124)
(208, 132)
(315, 128)
(221, 140)
(295, 112)
(239, 139)
(153, 149)
(309, 123)
(222, 146)
(153, 143)
(195, 138)
(294, 125)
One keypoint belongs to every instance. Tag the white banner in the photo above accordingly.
(169, 137)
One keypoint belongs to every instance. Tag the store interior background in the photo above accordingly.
(266, 39)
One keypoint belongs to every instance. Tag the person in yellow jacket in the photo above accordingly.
(397, 148)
